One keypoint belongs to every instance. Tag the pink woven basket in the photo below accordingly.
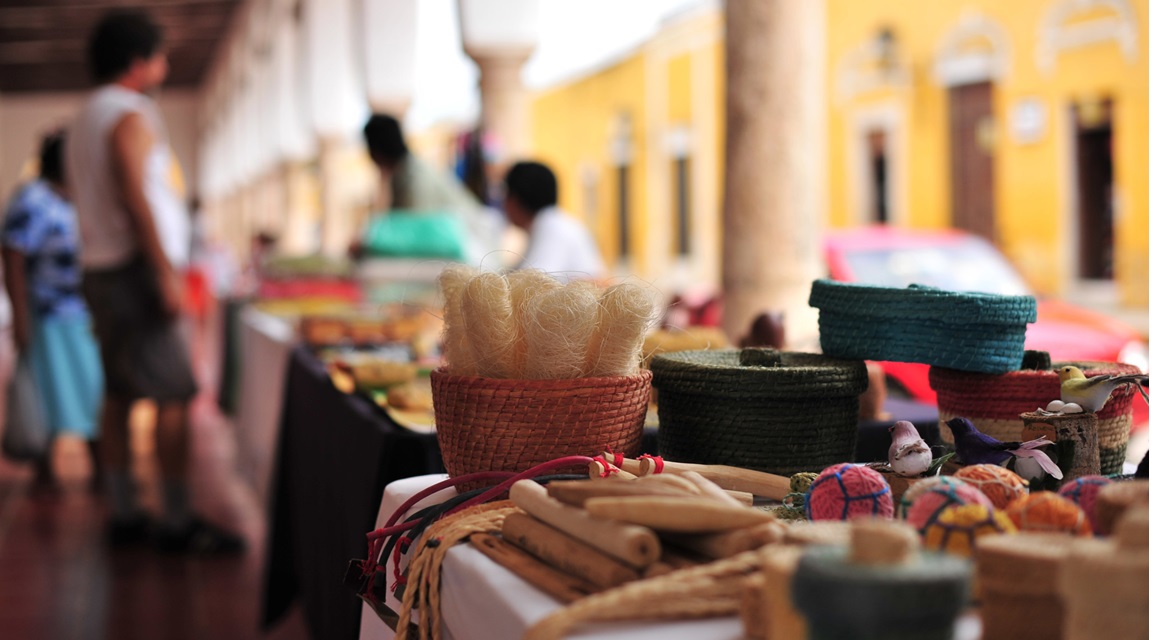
(488, 424)
(994, 403)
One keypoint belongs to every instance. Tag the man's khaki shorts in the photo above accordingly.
(143, 353)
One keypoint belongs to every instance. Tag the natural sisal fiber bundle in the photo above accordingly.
(710, 590)
(423, 592)
(487, 309)
(557, 335)
(623, 317)
(527, 325)
(524, 285)
(457, 354)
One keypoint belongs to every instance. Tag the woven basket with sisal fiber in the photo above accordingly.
(488, 424)
(994, 403)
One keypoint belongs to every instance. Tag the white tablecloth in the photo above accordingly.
(265, 342)
(481, 600)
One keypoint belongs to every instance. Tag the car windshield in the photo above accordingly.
(968, 265)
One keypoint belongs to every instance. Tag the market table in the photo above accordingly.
(335, 455)
(481, 600)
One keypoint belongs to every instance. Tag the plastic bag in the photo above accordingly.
(415, 234)
(26, 432)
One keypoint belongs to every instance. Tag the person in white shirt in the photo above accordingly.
(558, 243)
(134, 240)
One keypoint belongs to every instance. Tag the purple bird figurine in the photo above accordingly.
(974, 447)
(909, 455)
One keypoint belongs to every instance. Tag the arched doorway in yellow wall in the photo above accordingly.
(1095, 179)
(972, 56)
(873, 88)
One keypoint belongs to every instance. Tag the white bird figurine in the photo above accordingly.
(909, 455)
(1092, 393)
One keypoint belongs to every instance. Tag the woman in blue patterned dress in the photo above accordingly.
(50, 322)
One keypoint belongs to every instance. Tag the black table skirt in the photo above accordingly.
(336, 453)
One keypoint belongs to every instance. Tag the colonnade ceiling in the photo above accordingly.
(42, 41)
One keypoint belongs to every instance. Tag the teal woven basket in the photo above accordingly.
(774, 411)
(979, 332)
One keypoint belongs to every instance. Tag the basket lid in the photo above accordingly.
(918, 301)
(767, 372)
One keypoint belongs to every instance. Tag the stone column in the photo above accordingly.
(334, 231)
(500, 35)
(503, 102)
(389, 35)
(774, 202)
(300, 234)
(336, 108)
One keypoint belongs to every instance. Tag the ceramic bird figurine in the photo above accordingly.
(1092, 393)
(909, 455)
(974, 447)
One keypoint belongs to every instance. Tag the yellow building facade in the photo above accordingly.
(1025, 122)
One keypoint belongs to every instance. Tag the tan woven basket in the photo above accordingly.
(994, 403)
(488, 424)
(1020, 572)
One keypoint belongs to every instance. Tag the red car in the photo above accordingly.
(959, 261)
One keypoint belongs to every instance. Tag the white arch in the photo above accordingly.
(956, 64)
(1057, 35)
(859, 71)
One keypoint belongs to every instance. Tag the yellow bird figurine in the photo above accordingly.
(1092, 393)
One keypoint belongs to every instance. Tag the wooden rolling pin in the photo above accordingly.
(658, 568)
(729, 543)
(758, 483)
(565, 552)
(695, 486)
(637, 546)
(687, 514)
(709, 488)
(672, 480)
(562, 586)
(576, 492)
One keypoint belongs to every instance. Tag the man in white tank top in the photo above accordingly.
(134, 238)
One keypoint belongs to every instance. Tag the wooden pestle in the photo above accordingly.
(562, 586)
(684, 514)
(637, 546)
(729, 543)
(576, 492)
(683, 484)
(741, 497)
(565, 552)
(711, 489)
(758, 483)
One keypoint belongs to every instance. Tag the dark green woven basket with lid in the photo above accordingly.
(775, 411)
(979, 332)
